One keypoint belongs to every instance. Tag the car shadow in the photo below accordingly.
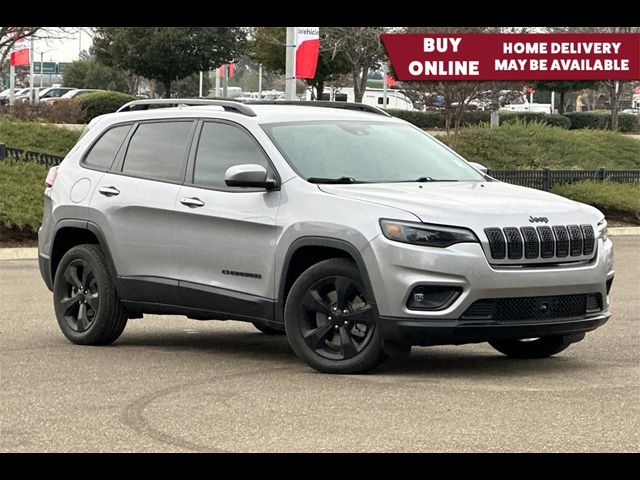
(448, 361)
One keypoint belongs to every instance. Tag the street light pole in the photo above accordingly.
(41, 69)
(290, 70)
(31, 74)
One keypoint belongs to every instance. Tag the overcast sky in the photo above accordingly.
(64, 49)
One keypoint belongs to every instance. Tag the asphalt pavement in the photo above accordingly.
(173, 384)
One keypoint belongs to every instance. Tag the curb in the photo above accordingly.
(18, 253)
(32, 253)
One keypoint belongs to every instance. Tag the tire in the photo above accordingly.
(267, 330)
(104, 317)
(329, 322)
(539, 348)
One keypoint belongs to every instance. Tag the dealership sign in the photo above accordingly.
(514, 56)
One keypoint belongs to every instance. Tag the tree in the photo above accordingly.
(458, 95)
(9, 36)
(167, 54)
(616, 89)
(268, 48)
(563, 87)
(89, 73)
(362, 49)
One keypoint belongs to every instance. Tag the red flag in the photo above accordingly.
(307, 46)
(232, 70)
(391, 81)
(20, 57)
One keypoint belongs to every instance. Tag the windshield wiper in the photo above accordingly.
(426, 179)
(332, 180)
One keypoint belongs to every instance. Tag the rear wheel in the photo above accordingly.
(542, 347)
(329, 321)
(86, 304)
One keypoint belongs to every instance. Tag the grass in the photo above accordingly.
(21, 195)
(620, 201)
(534, 146)
(37, 136)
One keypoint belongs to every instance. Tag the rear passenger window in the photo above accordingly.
(104, 151)
(222, 146)
(157, 151)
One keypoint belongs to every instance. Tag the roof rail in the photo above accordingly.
(146, 104)
(322, 103)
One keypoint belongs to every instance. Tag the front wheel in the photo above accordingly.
(329, 321)
(542, 347)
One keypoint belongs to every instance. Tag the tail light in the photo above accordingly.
(51, 177)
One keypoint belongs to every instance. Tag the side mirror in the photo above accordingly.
(479, 167)
(249, 176)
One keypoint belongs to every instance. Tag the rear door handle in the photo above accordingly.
(109, 191)
(192, 202)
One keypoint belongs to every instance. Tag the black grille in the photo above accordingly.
(589, 239)
(514, 243)
(562, 240)
(533, 308)
(546, 242)
(531, 242)
(575, 235)
(541, 242)
(496, 242)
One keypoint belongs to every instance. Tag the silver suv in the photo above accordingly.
(356, 233)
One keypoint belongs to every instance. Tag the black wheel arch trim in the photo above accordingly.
(82, 225)
(319, 241)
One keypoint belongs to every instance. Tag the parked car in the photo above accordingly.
(17, 92)
(48, 94)
(631, 111)
(353, 232)
(78, 92)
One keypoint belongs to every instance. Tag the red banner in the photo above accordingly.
(565, 56)
(19, 57)
(307, 47)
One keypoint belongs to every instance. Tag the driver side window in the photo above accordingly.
(222, 146)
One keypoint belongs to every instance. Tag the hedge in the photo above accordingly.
(534, 146)
(616, 200)
(602, 120)
(100, 103)
(431, 120)
(39, 137)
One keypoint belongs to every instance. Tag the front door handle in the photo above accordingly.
(109, 191)
(192, 202)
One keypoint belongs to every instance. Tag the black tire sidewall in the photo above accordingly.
(369, 358)
(102, 327)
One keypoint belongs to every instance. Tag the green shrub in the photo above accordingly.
(620, 201)
(554, 120)
(37, 136)
(430, 120)
(59, 111)
(601, 120)
(99, 103)
(21, 195)
(535, 145)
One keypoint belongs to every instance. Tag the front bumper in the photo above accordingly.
(406, 331)
(395, 269)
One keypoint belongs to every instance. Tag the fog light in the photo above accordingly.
(432, 297)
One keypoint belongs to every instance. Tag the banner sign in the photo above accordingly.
(19, 57)
(567, 56)
(307, 46)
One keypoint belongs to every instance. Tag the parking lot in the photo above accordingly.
(172, 384)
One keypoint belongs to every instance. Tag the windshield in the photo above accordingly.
(378, 152)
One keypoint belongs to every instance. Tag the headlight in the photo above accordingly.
(425, 234)
(603, 230)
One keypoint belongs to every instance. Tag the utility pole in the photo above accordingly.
(32, 93)
(218, 94)
(385, 85)
(290, 71)
(41, 69)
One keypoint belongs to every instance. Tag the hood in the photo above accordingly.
(472, 204)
